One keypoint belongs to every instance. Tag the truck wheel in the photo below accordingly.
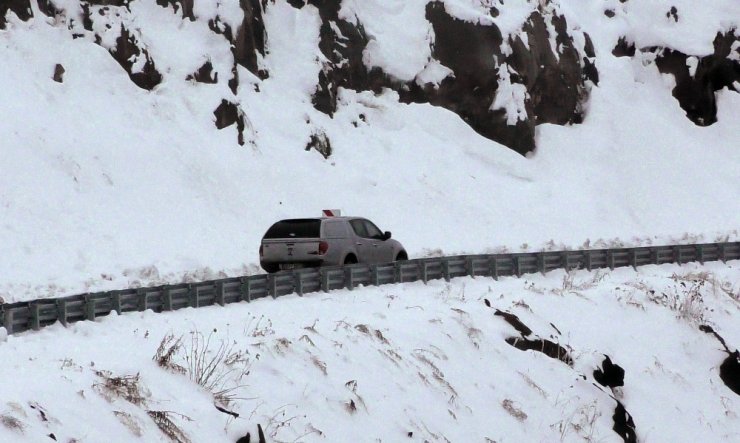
(402, 256)
(350, 260)
(270, 267)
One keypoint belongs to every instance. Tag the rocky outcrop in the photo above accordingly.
(697, 78)
(492, 78)
(136, 61)
(21, 8)
(227, 114)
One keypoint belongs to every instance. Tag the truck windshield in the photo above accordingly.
(295, 228)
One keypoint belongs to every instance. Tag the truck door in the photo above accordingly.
(364, 245)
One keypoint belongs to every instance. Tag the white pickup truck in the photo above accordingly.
(326, 241)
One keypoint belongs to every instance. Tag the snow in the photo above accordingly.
(424, 359)
(104, 185)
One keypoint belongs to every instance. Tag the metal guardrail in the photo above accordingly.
(35, 314)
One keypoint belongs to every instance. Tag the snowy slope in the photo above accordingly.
(105, 185)
(399, 363)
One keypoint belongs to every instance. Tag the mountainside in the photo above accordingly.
(154, 141)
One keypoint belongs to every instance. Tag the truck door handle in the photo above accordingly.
(358, 244)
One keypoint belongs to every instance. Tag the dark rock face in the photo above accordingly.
(250, 37)
(227, 114)
(205, 74)
(183, 6)
(555, 83)
(21, 8)
(126, 52)
(58, 73)
(547, 347)
(729, 370)
(624, 425)
(695, 93)
(320, 143)
(514, 321)
(610, 375)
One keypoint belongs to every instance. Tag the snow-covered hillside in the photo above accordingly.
(104, 184)
(462, 126)
(400, 363)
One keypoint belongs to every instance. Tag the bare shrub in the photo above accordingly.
(168, 349)
(127, 387)
(168, 427)
(515, 412)
(12, 423)
(130, 422)
(571, 286)
(219, 368)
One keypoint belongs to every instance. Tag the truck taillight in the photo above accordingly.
(323, 247)
(262, 252)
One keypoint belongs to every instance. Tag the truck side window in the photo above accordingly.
(335, 230)
(359, 227)
(373, 231)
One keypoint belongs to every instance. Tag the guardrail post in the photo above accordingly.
(245, 289)
(654, 256)
(587, 254)
(722, 252)
(35, 311)
(375, 275)
(700, 253)
(633, 259)
(298, 283)
(610, 259)
(493, 267)
(541, 262)
(61, 311)
(166, 299)
(397, 272)
(446, 269)
(220, 293)
(89, 307)
(469, 266)
(192, 296)
(517, 267)
(272, 285)
(116, 302)
(142, 294)
(424, 271)
(565, 261)
(349, 278)
(8, 321)
(677, 255)
(324, 280)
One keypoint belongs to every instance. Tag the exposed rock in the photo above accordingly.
(320, 142)
(610, 375)
(609, 13)
(514, 321)
(21, 8)
(250, 37)
(185, 7)
(58, 73)
(697, 78)
(205, 74)
(624, 48)
(624, 425)
(673, 12)
(729, 370)
(551, 349)
(128, 54)
(227, 114)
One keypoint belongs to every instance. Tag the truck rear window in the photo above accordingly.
(295, 228)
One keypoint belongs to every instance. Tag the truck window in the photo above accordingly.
(335, 230)
(359, 227)
(295, 228)
(373, 231)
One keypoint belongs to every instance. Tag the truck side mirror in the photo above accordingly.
(387, 235)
